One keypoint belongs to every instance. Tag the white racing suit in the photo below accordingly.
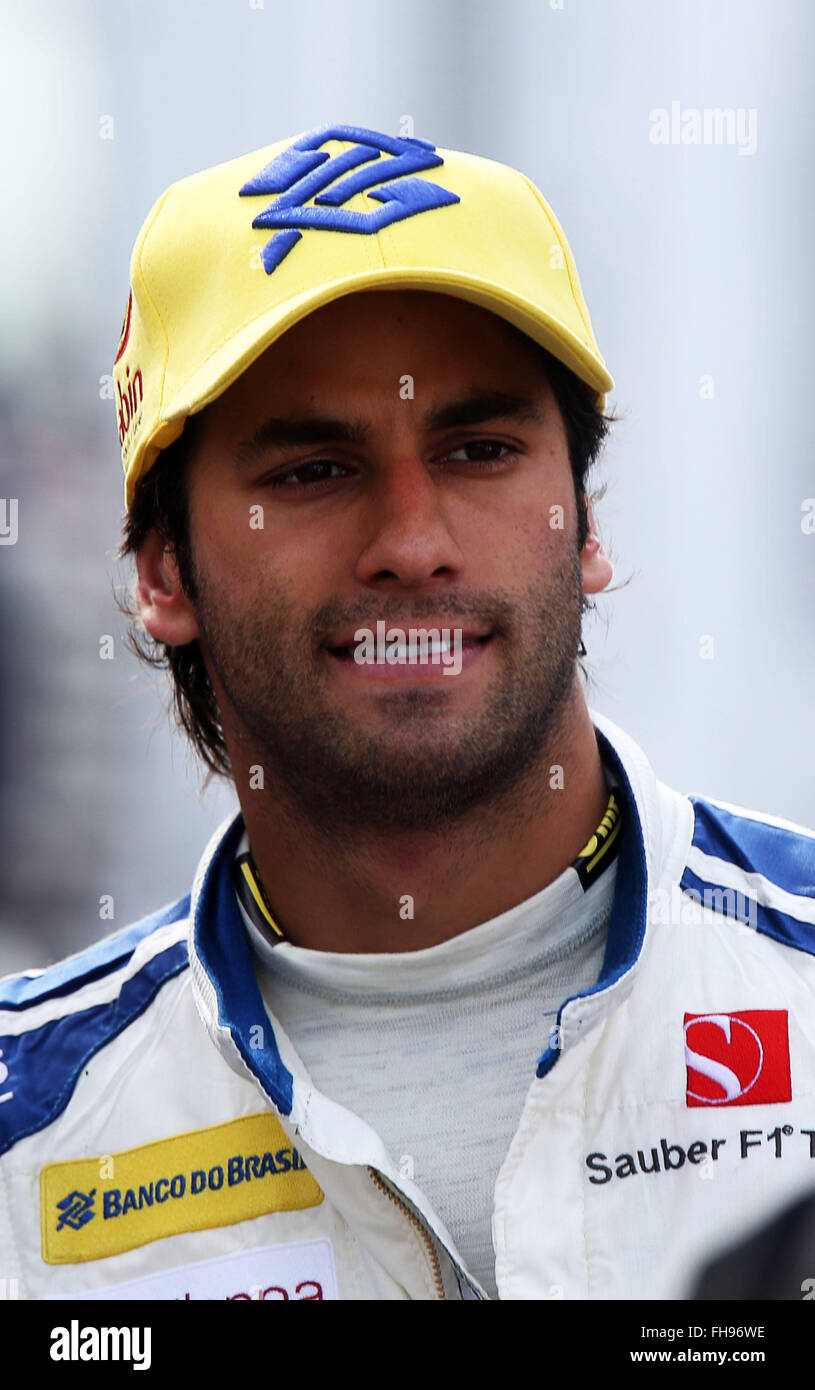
(160, 1138)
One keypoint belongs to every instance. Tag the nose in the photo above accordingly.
(409, 537)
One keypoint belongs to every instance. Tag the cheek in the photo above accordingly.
(539, 510)
(543, 540)
(559, 509)
(231, 530)
(255, 587)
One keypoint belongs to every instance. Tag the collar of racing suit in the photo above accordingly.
(231, 1005)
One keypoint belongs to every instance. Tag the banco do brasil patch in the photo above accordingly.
(94, 1207)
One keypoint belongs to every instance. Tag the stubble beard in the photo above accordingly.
(416, 767)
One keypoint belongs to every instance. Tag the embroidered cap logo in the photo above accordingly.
(305, 171)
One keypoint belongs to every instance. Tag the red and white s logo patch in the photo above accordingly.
(738, 1058)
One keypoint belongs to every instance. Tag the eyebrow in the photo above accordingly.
(473, 408)
(476, 407)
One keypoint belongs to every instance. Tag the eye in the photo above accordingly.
(314, 472)
(482, 452)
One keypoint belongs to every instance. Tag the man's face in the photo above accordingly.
(409, 460)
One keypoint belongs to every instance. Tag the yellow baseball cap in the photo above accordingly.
(230, 258)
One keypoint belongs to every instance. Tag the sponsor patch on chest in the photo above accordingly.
(94, 1207)
(738, 1058)
(297, 1272)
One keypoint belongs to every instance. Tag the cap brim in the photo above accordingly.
(224, 367)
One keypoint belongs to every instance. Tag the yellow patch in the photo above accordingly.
(94, 1207)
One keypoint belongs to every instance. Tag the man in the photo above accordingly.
(464, 1002)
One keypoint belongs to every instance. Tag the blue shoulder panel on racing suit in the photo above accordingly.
(46, 1058)
(772, 886)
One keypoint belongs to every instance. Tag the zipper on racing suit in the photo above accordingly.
(418, 1225)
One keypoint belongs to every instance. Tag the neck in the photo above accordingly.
(392, 891)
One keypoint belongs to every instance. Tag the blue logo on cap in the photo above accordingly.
(305, 170)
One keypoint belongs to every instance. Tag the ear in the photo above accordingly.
(165, 609)
(597, 568)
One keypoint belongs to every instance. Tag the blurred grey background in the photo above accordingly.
(697, 265)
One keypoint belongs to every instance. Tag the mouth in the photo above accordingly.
(405, 652)
(409, 663)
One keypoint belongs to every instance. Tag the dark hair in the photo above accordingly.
(160, 502)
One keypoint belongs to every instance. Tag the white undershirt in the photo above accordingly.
(436, 1049)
